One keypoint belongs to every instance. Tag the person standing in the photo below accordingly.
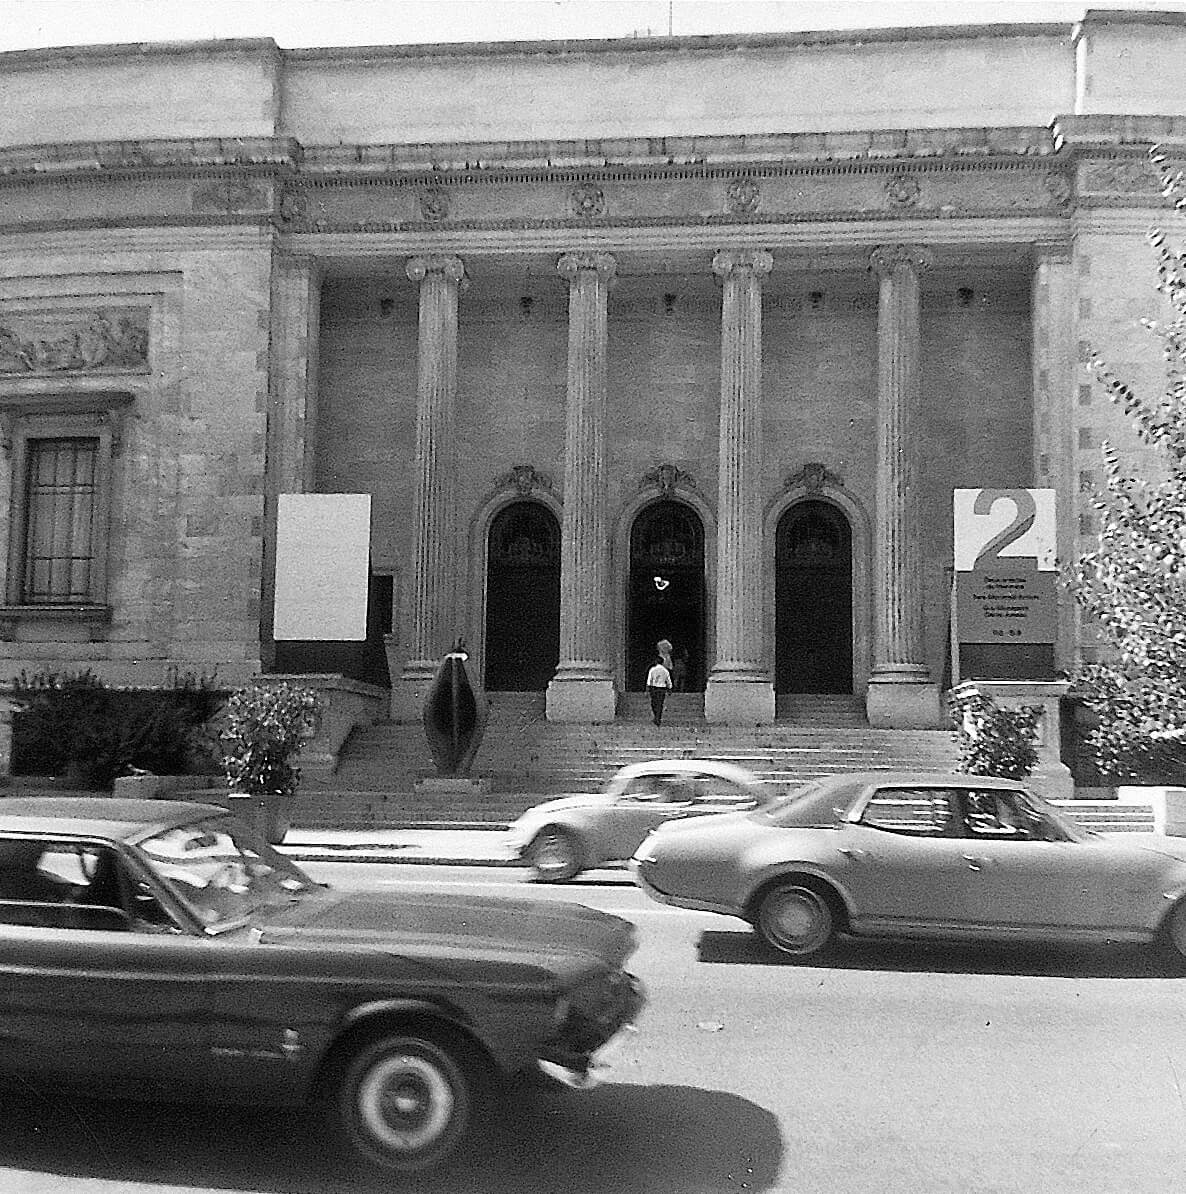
(658, 686)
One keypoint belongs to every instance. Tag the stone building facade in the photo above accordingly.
(687, 338)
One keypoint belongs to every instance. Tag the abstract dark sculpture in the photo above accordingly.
(454, 714)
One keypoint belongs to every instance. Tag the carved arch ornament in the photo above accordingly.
(814, 481)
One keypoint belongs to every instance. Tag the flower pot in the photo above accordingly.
(268, 814)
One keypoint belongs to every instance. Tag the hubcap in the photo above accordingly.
(796, 921)
(553, 855)
(405, 1102)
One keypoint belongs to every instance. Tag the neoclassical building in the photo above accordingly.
(680, 337)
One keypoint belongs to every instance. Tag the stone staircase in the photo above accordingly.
(524, 758)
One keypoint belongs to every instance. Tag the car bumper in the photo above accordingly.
(578, 1049)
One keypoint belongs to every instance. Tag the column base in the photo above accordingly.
(409, 691)
(581, 699)
(736, 701)
(904, 704)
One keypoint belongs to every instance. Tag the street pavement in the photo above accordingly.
(438, 846)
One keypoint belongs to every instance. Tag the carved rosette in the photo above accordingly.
(434, 204)
(903, 190)
(586, 201)
(524, 479)
(294, 209)
(1058, 187)
(885, 260)
(741, 196)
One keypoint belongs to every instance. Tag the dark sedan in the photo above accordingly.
(158, 949)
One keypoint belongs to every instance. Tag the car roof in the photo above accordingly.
(97, 816)
(920, 779)
(701, 766)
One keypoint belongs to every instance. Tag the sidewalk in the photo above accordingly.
(440, 846)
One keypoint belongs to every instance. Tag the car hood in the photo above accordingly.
(451, 924)
(1156, 843)
(563, 804)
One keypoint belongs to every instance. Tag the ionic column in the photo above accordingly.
(583, 689)
(901, 692)
(739, 690)
(431, 613)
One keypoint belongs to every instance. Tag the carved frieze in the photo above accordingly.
(812, 477)
(434, 204)
(1127, 176)
(109, 340)
(227, 196)
(902, 190)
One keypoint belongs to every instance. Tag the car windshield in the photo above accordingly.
(814, 803)
(222, 871)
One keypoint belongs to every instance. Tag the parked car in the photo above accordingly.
(885, 854)
(159, 949)
(560, 838)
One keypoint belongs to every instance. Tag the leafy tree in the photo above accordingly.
(994, 741)
(1133, 584)
(263, 727)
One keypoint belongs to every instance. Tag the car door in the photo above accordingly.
(644, 804)
(1036, 880)
(89, 995)
(903, 861)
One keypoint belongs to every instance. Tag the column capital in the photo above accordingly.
(570, 264)
(453, 268)
(730, 261)
(885, 259)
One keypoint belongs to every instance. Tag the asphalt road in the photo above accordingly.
(892, 1068)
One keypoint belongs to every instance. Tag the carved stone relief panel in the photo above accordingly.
(104, 340)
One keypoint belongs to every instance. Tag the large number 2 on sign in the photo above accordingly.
(1024, 509)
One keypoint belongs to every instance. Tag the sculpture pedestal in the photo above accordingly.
(894, 704)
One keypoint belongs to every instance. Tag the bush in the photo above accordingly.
(995, 741)
(263, 726)
(74, 726)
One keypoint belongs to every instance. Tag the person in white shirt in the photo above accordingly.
(658, 686)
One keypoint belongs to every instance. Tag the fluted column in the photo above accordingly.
(739, 689)
(583, 689)
(431, 591)
(901, 692)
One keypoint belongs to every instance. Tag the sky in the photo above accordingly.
(27, 24)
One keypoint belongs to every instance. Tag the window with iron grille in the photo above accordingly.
(60, 507)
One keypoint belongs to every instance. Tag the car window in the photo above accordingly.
(1004, 815)
(916, 812)
(720, 792)
(642, 789)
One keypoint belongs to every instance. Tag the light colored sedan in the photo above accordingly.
(560, 838)
(890, 854)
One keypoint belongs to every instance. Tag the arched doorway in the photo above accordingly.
(813, 600)
(522, 598)
(666, 592)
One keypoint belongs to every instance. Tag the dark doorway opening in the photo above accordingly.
(813, 600)
(522, 598)
(666, 594)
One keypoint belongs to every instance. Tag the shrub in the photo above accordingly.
(74, 726)
(995, 741)
(263, 726)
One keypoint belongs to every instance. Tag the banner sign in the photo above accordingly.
(1005, 566)
(323, 544)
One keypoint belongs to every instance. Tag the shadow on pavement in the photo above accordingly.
(1052, 961)
(615, 1139)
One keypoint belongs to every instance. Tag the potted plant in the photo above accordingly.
(263, 727)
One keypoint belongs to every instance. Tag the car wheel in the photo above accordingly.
(554, 855)
(408, 1101)
(795, 919)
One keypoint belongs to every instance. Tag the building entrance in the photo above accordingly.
(522, 598)
(813, 600)
(666, 594)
